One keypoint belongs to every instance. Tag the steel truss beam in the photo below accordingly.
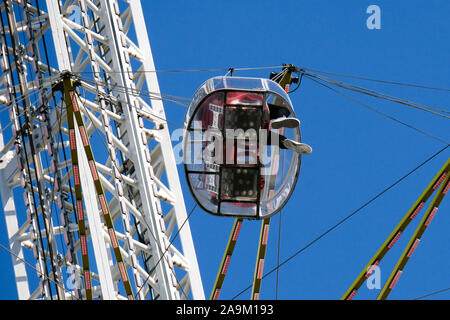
(97, 43)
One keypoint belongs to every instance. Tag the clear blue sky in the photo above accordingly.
(356, 152)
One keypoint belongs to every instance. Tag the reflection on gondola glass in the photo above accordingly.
(234, 162)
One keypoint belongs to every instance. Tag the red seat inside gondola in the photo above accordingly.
(237, 116)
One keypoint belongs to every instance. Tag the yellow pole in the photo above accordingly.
(396, 233)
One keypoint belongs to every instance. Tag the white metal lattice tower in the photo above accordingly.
(102, 199)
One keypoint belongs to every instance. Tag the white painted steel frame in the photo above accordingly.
(103, 43)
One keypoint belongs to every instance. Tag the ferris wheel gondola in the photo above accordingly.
(242, 147)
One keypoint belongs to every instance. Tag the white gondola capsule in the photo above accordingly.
(236, 164)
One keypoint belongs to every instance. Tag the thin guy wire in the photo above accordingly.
(349, 86)
(185, 70)
(347, 217)
(377, 80)
(381, 113)
(431, 293)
